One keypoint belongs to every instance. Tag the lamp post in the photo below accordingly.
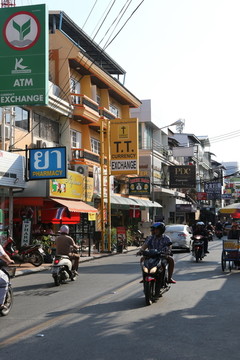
(180, 125)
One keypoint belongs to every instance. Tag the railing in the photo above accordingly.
(83, 100)
(83, 154)
(106, 113)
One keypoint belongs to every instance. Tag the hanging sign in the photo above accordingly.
(124, 146)
(24, 55)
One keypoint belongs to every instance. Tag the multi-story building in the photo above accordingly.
(86, 90)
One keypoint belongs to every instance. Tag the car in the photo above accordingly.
(181, 236)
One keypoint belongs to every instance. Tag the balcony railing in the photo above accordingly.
(83, 155)
(83, 100)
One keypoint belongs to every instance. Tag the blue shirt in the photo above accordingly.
(160, 243)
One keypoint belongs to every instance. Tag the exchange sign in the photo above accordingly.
(124, 146)
(24, 56)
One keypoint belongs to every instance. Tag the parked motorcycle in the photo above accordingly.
(62, 269)
(198, 247)
(10, 272)
(32, 254)
(154, 271)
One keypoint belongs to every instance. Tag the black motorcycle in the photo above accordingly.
(10, 272)
(155, 274)
(198, 247)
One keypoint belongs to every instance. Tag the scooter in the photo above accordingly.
(32, 254)
(154, 271)
(10, 272)
(62, 270)
(198, 247)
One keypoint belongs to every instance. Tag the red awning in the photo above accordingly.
(28, 201)
(76, 205)
(60, 216)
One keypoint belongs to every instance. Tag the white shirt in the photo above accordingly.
(2, 252)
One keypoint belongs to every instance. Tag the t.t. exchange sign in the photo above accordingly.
(48, 163)
(124, 146)
(23, 55)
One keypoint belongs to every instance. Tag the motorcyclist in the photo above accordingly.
(219, 226)
(3, 277)
(163, 243)
(65, 245)
(201, 230)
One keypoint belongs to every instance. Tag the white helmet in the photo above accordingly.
(64, 229)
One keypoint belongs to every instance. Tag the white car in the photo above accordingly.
(180, 235)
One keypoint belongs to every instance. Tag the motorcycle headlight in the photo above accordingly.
(153, 270)
(145, 269)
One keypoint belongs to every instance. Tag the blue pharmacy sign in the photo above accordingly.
(47, 163)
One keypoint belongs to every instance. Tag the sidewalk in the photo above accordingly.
(25, 269)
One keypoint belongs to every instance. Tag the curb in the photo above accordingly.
(45, 267)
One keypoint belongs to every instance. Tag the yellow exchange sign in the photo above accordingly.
(124, 146)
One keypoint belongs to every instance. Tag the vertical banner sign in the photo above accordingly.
(26, 232)
(124, 146)
(24, 56)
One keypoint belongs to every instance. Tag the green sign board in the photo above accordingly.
(24, 56)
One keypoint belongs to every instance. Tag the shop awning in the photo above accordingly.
(76, 205)
(146, 202)
(120, 200)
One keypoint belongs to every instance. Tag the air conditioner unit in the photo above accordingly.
(81, 169)
(40, 144)
(7, 132)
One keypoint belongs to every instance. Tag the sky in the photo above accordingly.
(184, 55)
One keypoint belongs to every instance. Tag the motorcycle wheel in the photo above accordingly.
(7, 303)
(56, 280)
(36, 259)
(148, 291)
(197, 255)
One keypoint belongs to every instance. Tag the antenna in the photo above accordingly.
(7, 3)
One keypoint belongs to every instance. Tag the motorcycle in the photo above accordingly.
(198, 247)
(32, 254)
(62, 269)
(210, 235)
(10, 272)
(219, 234)
(154, 271)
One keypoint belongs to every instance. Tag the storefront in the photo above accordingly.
(51, 203)
(12, 179)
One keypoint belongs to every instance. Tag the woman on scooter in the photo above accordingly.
(3, 277)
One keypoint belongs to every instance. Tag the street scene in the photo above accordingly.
(119, 222)
(104, 313)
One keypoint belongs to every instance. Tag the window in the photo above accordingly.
(45, 128)
(76, 139)
(114, 110)
(95, 144)
(75, 89)
(21, 118)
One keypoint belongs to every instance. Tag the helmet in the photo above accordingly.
(64, 229)
(200, 223)
(160, 226)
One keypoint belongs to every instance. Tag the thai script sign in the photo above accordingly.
(47, 163)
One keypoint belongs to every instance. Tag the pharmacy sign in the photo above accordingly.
(23, 56)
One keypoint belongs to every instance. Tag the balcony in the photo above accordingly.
(106, 114)
(85, 109)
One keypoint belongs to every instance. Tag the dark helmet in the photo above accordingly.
(159, 225)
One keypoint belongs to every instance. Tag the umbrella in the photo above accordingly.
(230, 209)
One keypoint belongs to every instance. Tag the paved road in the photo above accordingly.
(103, 315)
